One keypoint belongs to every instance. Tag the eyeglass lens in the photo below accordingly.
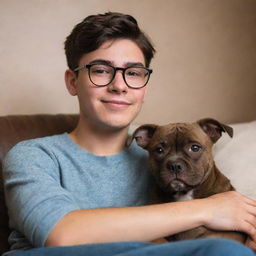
(102, 75)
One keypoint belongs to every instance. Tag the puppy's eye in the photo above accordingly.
(159, 150)
(195, 148)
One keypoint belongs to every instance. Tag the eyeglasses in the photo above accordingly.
(103, 74)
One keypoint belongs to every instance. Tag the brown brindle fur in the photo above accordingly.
(181, 161)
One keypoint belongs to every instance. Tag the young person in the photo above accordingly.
(84, 193)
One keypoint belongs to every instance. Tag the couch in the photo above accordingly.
(236, 157)
(21, 127)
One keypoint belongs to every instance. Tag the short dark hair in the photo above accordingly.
(94, 30)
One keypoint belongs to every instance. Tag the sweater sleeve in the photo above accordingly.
(35, 199)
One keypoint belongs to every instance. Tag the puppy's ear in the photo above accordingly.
(214, 128)
(142, 135)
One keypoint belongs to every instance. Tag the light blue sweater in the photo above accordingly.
(49, 177)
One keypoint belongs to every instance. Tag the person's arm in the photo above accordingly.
(48, 215)
(226, 211)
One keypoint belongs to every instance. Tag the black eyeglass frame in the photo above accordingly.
(88, 66)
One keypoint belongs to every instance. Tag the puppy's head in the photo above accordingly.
(180, 153)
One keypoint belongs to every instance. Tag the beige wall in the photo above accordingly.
(205, 64)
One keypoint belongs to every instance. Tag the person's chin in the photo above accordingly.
(119, 119)
(116, 126)
(116, 123)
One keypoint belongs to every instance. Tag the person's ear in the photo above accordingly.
(71, 82)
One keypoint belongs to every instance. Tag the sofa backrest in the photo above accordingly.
(14, 129)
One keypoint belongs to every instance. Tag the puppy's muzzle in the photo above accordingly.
(176, 167)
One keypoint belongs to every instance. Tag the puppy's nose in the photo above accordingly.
(175, 167)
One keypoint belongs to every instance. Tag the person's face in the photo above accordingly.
(115, 105)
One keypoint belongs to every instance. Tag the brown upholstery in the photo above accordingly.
(21, 127)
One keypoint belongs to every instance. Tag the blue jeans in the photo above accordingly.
(199, 247)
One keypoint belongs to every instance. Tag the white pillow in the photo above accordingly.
(236, 157)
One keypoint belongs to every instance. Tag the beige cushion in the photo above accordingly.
(236, 157)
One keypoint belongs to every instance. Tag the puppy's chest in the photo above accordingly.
(179, 197)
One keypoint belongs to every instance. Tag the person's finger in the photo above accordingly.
(250, 243)
(248, 228)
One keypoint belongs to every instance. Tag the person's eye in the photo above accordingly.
(100, 70)
(134, 72)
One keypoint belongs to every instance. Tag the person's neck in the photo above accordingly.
(100, 141)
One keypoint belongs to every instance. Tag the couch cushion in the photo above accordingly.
(236, 157)
(14, 129)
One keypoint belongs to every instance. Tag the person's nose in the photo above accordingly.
(118, 84)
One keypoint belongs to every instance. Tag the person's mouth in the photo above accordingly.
(116, 103)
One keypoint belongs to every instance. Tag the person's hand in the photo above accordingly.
(232, 211)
